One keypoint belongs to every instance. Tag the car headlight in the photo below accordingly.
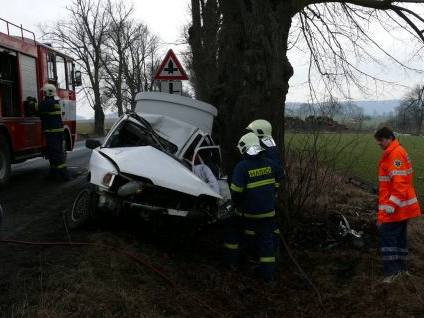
(108, 179)
(130, 188)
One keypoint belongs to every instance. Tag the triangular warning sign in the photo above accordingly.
(170, 68)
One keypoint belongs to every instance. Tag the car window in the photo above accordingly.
(131, 135)
(190, 150)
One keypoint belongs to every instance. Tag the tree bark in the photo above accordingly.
(253, 68)
(99, 115)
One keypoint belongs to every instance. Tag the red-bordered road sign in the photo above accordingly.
(170, 68)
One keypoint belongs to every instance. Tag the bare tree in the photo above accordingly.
(254, 37)
(330, 108)
(412, 106)
(82, 35)
(140, 62)
(119, 37)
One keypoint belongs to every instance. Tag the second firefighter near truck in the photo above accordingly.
(397, 203)
(51, 120)
(253, 188)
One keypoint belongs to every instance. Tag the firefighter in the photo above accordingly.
(253, 190)
(51, 121)
(397, 203)
(263, 129)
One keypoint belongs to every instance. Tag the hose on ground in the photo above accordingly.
(302, 272)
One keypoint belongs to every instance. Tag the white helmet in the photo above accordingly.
(49, 90)
(261, 128)
(250, 144)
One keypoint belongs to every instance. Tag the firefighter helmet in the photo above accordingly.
(250, 144)
(49, 90)
(260, 127)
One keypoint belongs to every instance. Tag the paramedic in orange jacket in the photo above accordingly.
(397, 203)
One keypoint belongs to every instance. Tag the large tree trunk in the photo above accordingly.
(99, 115)
(203, 41)
(253, 70)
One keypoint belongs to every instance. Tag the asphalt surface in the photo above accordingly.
(29, 196)
(77, 159)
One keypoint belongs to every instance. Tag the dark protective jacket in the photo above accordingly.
(272, 153)
(51, 115)
(253, 186)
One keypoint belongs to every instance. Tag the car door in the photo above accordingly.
(211, 156)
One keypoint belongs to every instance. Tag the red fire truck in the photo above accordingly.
(25, 66)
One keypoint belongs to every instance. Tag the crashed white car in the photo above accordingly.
(146, 162)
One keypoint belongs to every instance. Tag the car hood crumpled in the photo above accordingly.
(160, 168)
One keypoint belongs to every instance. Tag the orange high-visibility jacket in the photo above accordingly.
(396, 189)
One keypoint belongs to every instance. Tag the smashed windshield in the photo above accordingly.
(131, 134)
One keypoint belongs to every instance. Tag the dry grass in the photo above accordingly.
(98, 283)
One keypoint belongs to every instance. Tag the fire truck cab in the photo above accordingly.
(25, 66)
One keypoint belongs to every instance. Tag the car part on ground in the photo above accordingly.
(340, 232)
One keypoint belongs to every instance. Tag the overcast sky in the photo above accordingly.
(166, 18)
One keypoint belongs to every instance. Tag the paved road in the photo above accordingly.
(77, 159)
(30, 200)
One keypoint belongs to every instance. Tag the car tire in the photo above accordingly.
(81, 211)
(5, 161)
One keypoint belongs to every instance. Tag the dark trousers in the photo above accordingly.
(55, 153)
(393, 247)
(232, 240)
(252, 236)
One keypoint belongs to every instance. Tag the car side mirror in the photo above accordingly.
(92, 143)
(77, 78)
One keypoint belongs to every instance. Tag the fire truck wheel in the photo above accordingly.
(5, 161)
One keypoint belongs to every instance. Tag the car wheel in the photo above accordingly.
(5, 161)
(81, 209)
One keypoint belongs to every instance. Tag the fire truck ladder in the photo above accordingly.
(20, 28)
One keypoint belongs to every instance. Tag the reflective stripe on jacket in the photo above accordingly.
(396, 189)
(253, 186)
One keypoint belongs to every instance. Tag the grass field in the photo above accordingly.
(86, 127)
(361, 154)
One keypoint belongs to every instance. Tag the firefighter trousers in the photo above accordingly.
(254, 237)
(56, 154)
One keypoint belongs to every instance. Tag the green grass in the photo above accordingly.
(361, 154)
(86, 127)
